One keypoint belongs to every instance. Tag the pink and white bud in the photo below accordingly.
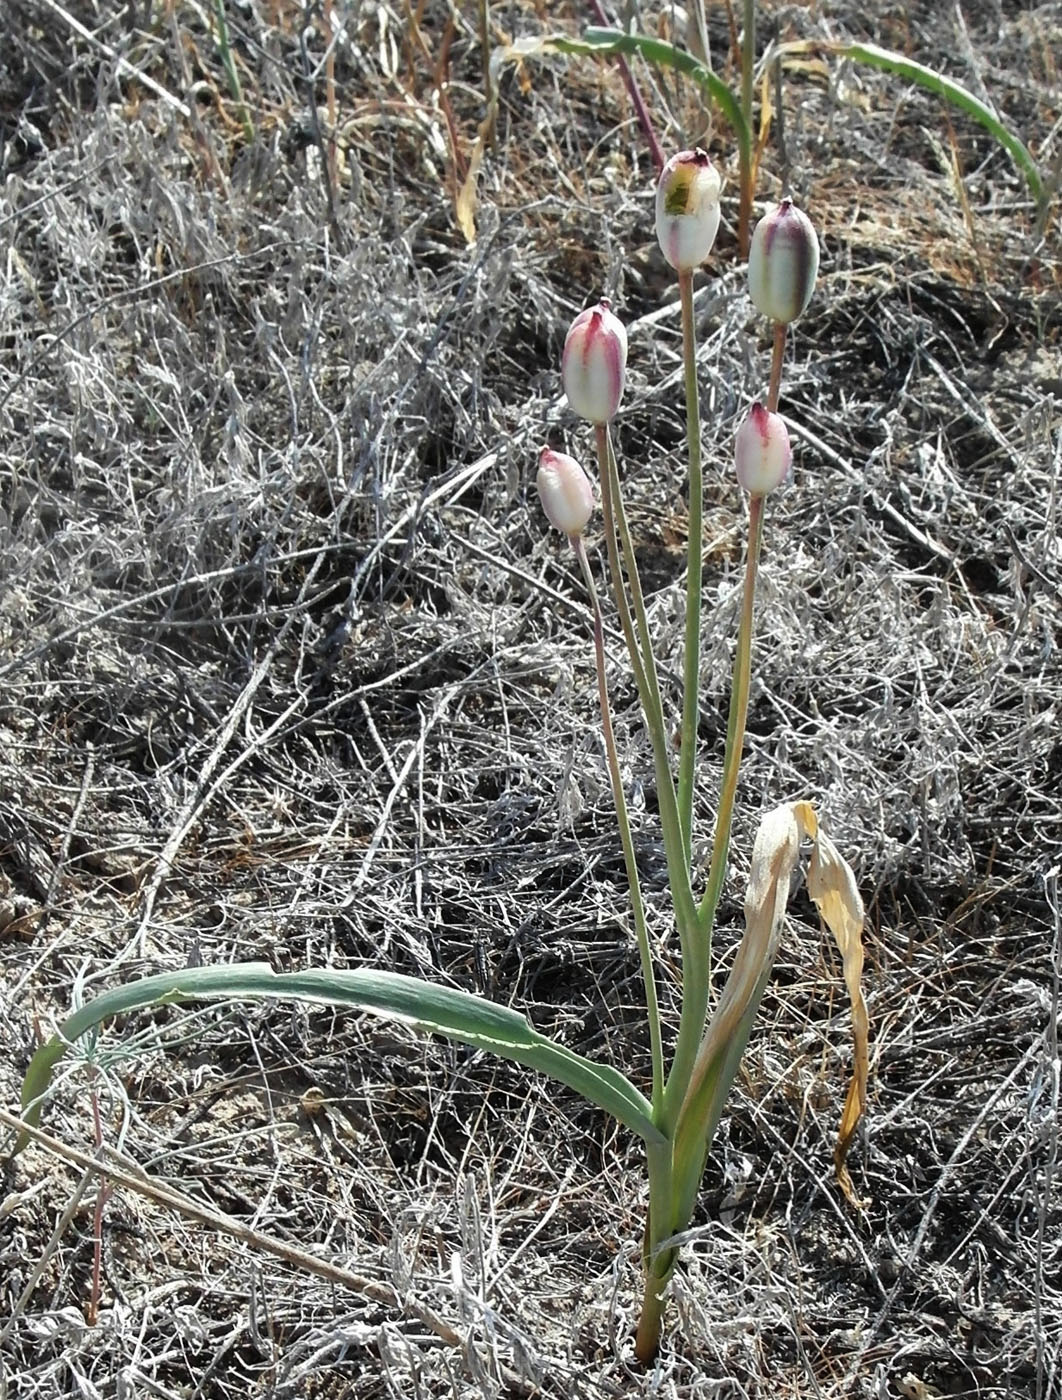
(762, 455)
(783, 262)
(565, 492)
(594, 363)
(687, 209)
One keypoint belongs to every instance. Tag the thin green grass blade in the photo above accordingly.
(232, 72)
(958, 96)
(598, 42)
(445, 1011)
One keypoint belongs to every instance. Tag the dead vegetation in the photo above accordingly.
(293, 670)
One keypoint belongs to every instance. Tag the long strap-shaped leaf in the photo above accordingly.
(887, 61)
(596, 41)
(958, 96)
(446, 1011)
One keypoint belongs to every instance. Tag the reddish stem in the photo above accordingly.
(642, 111)
(777, 356)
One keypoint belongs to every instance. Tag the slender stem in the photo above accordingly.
(748, 59)
(623, 607)
(670, 826)
(694, 1007)
(692, 656)
(777, 357)
(489, 96)
(735, 729)
(779, 126)
(693, 945)
(228, 60)
(748, 64)
(618, 535)
(745, 176)
(641, 932)
(92, 1309)
(330, 85)
(658, 1265)
(641, 617)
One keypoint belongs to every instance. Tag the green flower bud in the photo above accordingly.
(783, 263)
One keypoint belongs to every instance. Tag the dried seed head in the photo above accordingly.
(687, 209)
(762, 455)
(783, 262)
(594, 363)
(565, 492)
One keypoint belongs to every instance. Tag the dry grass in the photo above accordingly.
(292, 669)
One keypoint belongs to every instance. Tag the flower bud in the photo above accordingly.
(594, 363)
(565, 492)
(762, 455)
(687, 209)
(783, 262)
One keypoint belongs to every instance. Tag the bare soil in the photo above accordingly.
(292, 669)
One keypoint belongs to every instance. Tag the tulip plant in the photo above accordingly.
(688, 1096)
(692, 1068)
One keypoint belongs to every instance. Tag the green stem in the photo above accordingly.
(777, 359)
(748, 60)
(229, 62)
(658, 1264)
(641, 932)
(694, 1008)
(735, 729)
(641, 617)
(670, 826)
(618, 536)
(692, 656)
(623, 608)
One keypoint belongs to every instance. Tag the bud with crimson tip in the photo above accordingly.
(687, 209)
(594, 363)
(762, 455)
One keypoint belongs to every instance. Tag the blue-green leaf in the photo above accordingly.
(610, 41)
(445, 1011)
(957, 95)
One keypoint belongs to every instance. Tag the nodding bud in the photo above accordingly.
(687, 209)
(783, 262)
(762, 455)
(594, 363)
(565, 492)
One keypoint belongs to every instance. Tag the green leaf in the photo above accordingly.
(958, 96)
(445, 1011)
(658, 51)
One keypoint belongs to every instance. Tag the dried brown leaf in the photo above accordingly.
(831, 884)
